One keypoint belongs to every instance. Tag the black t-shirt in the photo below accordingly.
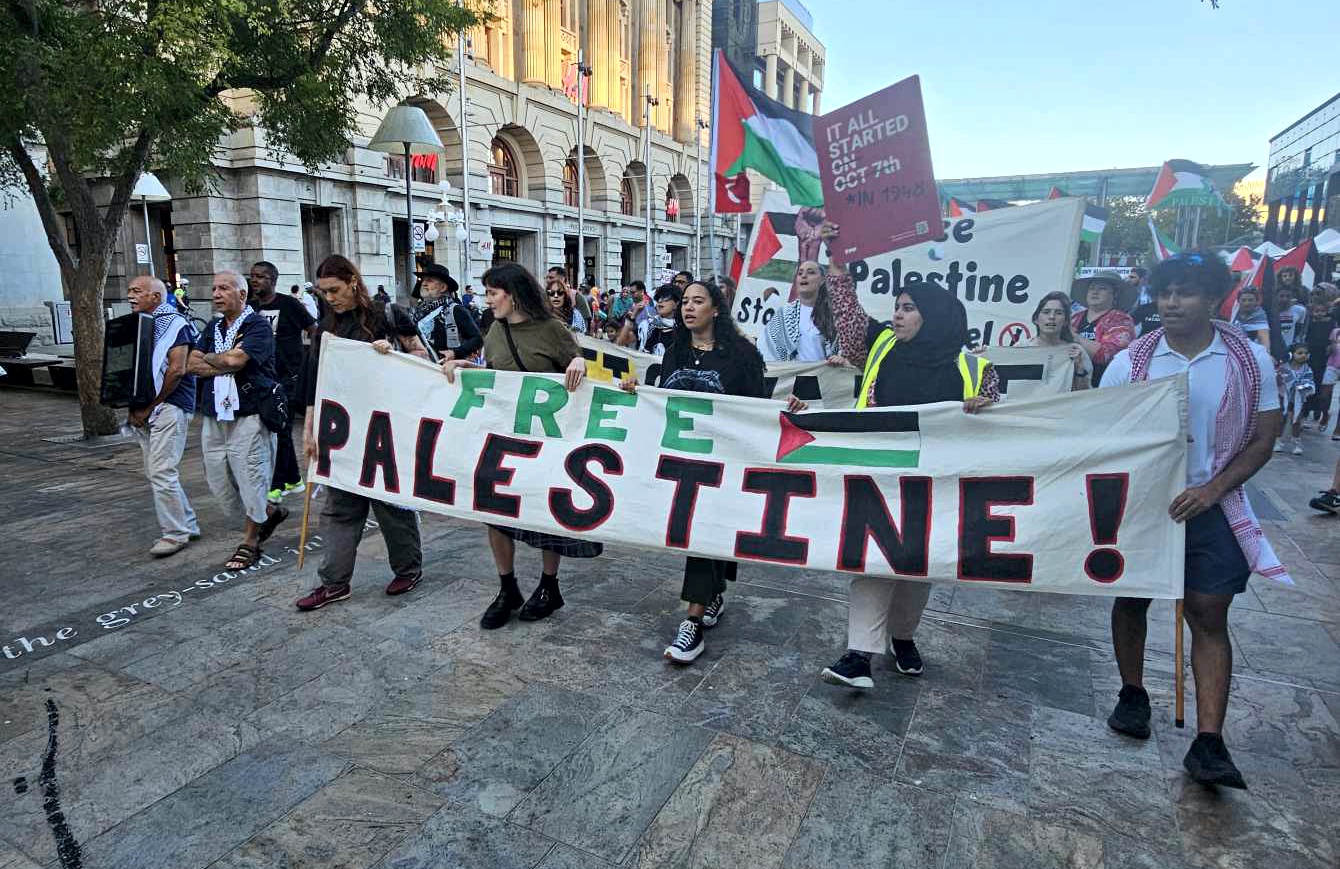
(388, 321)
(1087, 329)
(657, 337)
(288, 318)
(1146, 319)
(713, 371)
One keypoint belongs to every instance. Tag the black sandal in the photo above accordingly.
(244, 557)
(270, 524)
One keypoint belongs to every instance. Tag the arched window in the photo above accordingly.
(627, 199)
(671, 204)
(503, 177)
(570, 182)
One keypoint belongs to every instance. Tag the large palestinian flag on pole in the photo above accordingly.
(750, 130)
(1183, 183)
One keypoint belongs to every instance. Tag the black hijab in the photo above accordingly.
(925, 368)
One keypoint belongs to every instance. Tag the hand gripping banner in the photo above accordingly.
(1062, 493)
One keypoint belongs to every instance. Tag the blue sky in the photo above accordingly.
(1063, 85)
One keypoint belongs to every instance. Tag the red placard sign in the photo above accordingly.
(875, 164)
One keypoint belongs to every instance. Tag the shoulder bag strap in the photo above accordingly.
(511, 345)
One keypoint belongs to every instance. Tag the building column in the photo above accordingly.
(597, 55)
(664, 92)
(645, 27)
(686, 79)
(1286, 221)
(789, 88)
(1272, 220)
(803, 103)
(770, 76)
(814, 102)
(533, 42)
(553, 57)
(1318, 201)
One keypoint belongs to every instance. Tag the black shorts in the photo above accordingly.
(1214, 560)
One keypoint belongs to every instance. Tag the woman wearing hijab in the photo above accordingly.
(803, 330)
(916, 359)
(526, 336)
(706, 354)
(1052, 318)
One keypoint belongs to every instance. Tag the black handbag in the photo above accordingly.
(271, 405)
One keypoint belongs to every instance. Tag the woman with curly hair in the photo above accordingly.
(559, 297)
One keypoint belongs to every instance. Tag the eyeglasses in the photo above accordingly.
(556, 294)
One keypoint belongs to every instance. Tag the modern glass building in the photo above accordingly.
(1303, 180)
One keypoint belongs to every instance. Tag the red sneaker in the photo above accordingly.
(402, 584)
(322, 595)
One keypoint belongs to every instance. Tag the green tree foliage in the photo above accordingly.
(110, 88)
(1127, 230)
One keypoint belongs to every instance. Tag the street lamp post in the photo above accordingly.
(407, 127)
(699, 126)
(646, 168)
(149, 189)
(583, 70)
(464, 228)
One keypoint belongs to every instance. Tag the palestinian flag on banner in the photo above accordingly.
(959, 207)
(1163, 246)
(1056, 193)
(773, 251)
(750, 130)
(992, 204)
(766, 244)
(865, 439)
(1183, 183)
(1095, 220)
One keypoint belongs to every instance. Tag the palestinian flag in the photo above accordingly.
(753, 131)
(1163, 246)
(1056, 193)
(1183, 183)
(736, 265)
(766, 244)
(858, 439)
(1095, 220)
(991, 204)
(1304, 258)
(959, 207)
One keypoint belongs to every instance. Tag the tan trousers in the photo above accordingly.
(881, 609)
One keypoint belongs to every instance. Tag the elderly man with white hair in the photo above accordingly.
(234, 360)
(160, 426)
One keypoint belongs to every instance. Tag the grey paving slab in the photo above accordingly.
(427, 616)
(740, 805)
(350, 823)
(602, 796)
(12, 859)
(863, 822)
(969, 743)
(986, 838)
(1283, 644)
(250, 791)
(459, 835)
(497, 763)
(566, 857)
(849, 729)
(752, 690)
(1034, 670)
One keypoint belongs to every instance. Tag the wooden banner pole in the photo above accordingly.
(1179, 719)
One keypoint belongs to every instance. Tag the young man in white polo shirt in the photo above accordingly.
(1233, 417)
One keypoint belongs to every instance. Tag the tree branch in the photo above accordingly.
(46, 209)
(116, 209)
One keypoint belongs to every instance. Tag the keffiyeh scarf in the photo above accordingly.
(168, 323)
(1233, 429)
(781, 337)
(226, 397)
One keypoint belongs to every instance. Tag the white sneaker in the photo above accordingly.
(164, 547)
(1279, 447)
(1297, 449)
(712, 613)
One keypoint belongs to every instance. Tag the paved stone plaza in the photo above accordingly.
(181, 717)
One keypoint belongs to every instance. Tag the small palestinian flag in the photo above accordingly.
(750, 130)
(991, 204)
(864, 439)
(766, 244)
(1056, 193)
(959, 207)
(1095, 220)
(1304, 258)
(1183, 183)
(1163, 246)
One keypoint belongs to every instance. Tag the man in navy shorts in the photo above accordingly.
(1233, 418)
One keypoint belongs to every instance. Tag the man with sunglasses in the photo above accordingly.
(1233, 418)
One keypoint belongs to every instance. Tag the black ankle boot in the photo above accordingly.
(544, 601)
(500, 611)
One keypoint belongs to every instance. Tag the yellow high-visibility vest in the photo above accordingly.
(970, 368)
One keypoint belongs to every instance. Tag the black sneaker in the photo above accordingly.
(712, 614)
(541, 604)
(852, 670)
(1209, 762)
(1131, 716)
(688, 643)
(1327, 502)
(500, 611)
(906, 658)
(279, 514)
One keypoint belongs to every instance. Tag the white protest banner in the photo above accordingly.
(1023, 371)
(995, 499)
(770, 261)
(999, 262)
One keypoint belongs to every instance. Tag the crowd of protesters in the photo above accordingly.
(254, 367)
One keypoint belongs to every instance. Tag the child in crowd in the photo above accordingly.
(1298, 387)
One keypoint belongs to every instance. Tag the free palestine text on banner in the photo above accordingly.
(1063, 493)
(1023, 371)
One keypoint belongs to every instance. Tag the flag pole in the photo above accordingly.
(712, 165)
(1179, 679)
(582, 71)
(646, 184)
